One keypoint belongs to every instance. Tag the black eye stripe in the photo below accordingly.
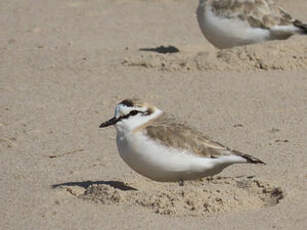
(132, 113)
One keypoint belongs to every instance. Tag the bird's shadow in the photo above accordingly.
(85, 184)
(161, 49)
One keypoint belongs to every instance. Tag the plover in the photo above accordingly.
(229, 23)
(156, 146)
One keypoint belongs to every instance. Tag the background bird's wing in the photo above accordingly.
(258, 13)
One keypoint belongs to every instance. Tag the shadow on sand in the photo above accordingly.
(85, 184)
(161, 49)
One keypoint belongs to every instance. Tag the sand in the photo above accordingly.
(65, 64)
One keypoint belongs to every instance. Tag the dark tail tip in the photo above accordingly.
(300, 25)
(252, 159)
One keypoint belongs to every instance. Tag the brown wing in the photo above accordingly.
(258, 13)
(168, 132)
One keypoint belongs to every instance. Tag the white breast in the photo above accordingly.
(161, 163)
(226, 33)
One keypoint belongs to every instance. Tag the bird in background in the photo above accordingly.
(229, 23)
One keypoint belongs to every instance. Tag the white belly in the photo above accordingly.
(161, 163)
(226, 33)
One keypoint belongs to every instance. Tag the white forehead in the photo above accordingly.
(122, 109)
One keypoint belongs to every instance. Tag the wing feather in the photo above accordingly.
(258, 13)
(168, 132)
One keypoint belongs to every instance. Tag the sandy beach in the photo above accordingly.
(65, 64)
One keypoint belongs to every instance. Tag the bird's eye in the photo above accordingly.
(133, 112)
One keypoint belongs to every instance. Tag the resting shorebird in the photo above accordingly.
(156, 146)
(229, 23)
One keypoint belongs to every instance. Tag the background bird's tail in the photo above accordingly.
(300, 25)
(249, 158)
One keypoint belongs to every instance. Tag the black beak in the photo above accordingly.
(112, 121)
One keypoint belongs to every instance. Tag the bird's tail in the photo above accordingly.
(301, 26)
(249, 158)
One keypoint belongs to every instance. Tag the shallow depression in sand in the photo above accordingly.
(196, 198)
(276, 55)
